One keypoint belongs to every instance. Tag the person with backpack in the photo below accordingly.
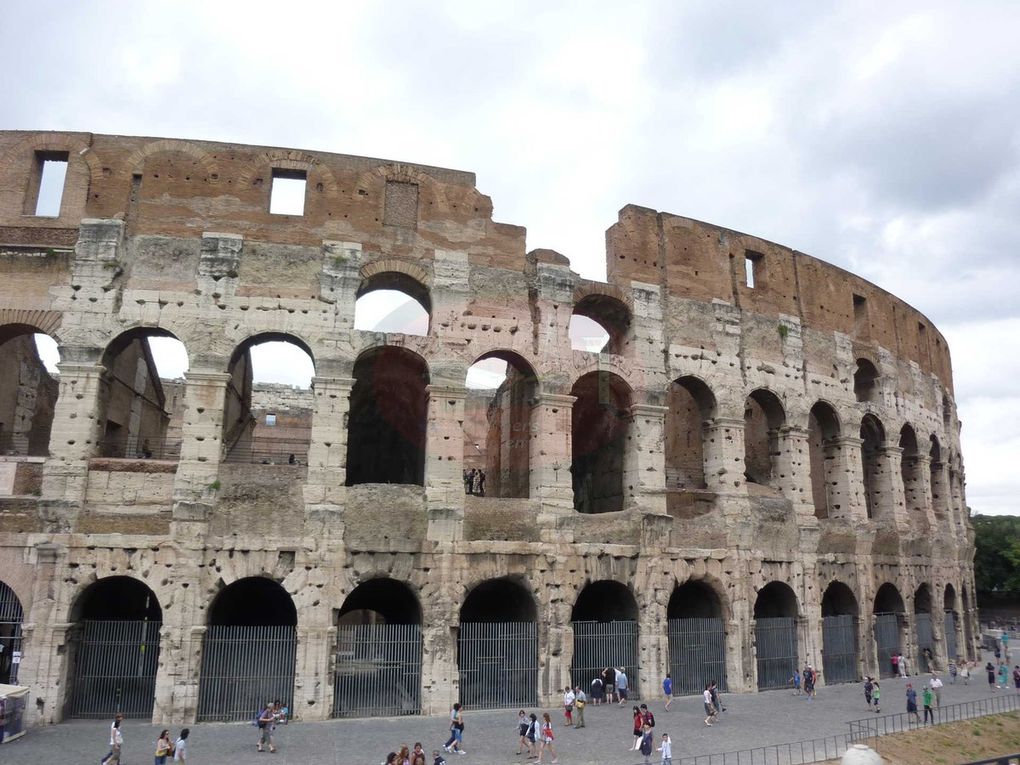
(265, 726)
(646, 744)
(456, 741)
(710, 712)
(532, 735)
(869, 686)
(713, 688)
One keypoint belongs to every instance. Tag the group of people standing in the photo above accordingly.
(474, 482)
(166, 746)
(809, 677)
(535, 737)
(611, 684)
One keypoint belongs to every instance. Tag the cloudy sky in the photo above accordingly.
(883, 137)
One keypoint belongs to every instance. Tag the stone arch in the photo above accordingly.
(824, 431)
(18, 321)
(839, 600)
(840, 633)
(28, 395)
(872, 459)
(691, 406)
(776, 609)
(410, 314)
(865, 380)
(607, 309)
(605, 600)
(764, 415)
(700, 597)
(696, 617)
(923, 627)
(949, 598)
(604, 619)
(390, 601)
(232, 604)
(776, 600)
(317, 173)
(937, 479)
(135, 161)
(600, 424)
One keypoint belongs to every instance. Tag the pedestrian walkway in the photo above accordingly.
(750, 720)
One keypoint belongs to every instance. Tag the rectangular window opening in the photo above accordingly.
(51, 172)
(860, 314)
(270, 420)
(753, 263)
(287, 192)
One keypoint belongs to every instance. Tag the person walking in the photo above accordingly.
(580, 702)
(265, 726)
(534, 736)
(568, 706)
(903, 666)
(990, 671)
(965, 672)
(713, 688)
(456, 741)
(638, 721)
(522, 732)
(912, 703)
(181, 746)
(926, 699)
(163, 747)
(646, 744)
(876, 696)
(547, 739)
(667, 690)
(709, 706)
(936, 688)
(795, 680)
(622, 684)
(953, 671)
(112, 757)
(869, 686)
(1003, 675)
(1016, 677)
(666, 750)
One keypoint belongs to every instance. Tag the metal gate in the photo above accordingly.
(776, 643)
(887, 641)
(925, 639)
(839, 649)
(498, 663)
(697, 654)
(598, 645)
(950, 630)
(115, 665)
(11, 616)
(243, 668)
(378, 670)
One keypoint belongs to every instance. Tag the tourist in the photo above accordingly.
(809, 681)
(990, 671)
(533, 736)
(404, 755)
(609, 683)
(876, 696)
(894, 660)
(929, 659)
(116, 742)
(622, 684)
(912, 703)
(667, 690)
(1003, 675)
(795, 681)
(265, 726)
(936, 688)
(417, 754)
(638, 722)
(598, 690)
(869, 686)
(647, 717)
(902, 664)
(646, 743)
(163, 747)
(456, 741)
(1016, 677)
(953, 671)
(713, 688)
(522, 732)
(547, 739)
(568, 706)
(437, 758)
(965, 672)
(666, 749)
(580, 702)
(926, 699)
(181, 746)
(709, 706)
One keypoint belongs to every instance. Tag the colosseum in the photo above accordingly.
(756, 466)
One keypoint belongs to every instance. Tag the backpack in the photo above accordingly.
(646, 745)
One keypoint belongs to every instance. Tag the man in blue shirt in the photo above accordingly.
(667, 690)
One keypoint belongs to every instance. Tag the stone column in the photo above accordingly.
(551, 455)
(845, 479)
(653, 646)
(866, 641)
(44, 640)
(313, 680)
(724, 455)
(793, 470)
(327, 449)
(444, 462)
(922, 466)
(440, 678)
(644, 474)
(891, 499)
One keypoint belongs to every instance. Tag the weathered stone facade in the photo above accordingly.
(759, 416)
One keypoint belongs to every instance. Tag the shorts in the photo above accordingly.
(609, 688)
(709, 709)
(622, 693)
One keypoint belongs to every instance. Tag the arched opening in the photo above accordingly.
(823, 456)
(923, 629)
(890, 627)
(378, 651)
(839, 634)
(951, 622)
(937, 480)
(28, 393)
(865, 381)
(605, 623)
(142, 395)
(697, 637)
(910, 471)
(599, 324)
(248, 650)
(763, 417)
(690, 408)
(497, 426)
(775, 635)
(872, 450)
(600, 422)
(497, 647)
(393, 302)
(11, 617)
(267, 415)
(389, 409)
(114, 649)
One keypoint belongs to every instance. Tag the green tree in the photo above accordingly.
(997, 554)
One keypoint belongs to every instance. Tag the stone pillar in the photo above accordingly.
(724, 455)
(444, 462)
(44, 640)
(551, 455)
(555, 653)
(327, 449)
(845, 479)
(891, 495)
(922, 466)
(792, 470)
(440, 678)
(644, 473)
(313, 678)
(868, 649)
(653, 646)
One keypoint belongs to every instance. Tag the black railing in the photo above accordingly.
(872, 727)
(270, 453)
(1002, 759)
(140, 448)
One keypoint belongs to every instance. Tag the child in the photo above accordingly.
(438, 758)
(796, 682)
(646, 743)
(667, 750)
(876, 695)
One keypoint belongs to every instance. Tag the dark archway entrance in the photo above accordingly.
(839, 634)
(775, 635)
(11, 617)
(497, 648)
(600, 423)
(605, 625)
(114, 652)
(697, 638)
(923, 628)
(248, 652)
(889, 627)
(378, 652)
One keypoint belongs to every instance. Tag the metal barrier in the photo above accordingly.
(887, 641)
(949, 630)
(775, 640)
(925, 640)
(839, 649)
(697, 654)
(872, 727)
(141, 448)
(1003, 759)
(270, 453)
(598, 645)
(11, 617)
(115, 668)
(378, 670)
(498, 663)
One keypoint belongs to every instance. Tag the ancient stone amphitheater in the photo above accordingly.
(757, 465)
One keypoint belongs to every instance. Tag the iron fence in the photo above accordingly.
(498, 663)
(925, 640)
(868, 728)
(697, 654)
(598, 645)
(136, 448)
(378, 670)
(775, 640)
(11, 617)
(243, 667)
(887, 641)
(949, 626)
(270, 453)
(839, 649)
(115, 664)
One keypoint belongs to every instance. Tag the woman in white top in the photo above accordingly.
(709, 706)
(181, 747)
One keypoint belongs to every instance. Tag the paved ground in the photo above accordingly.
(750, 720)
